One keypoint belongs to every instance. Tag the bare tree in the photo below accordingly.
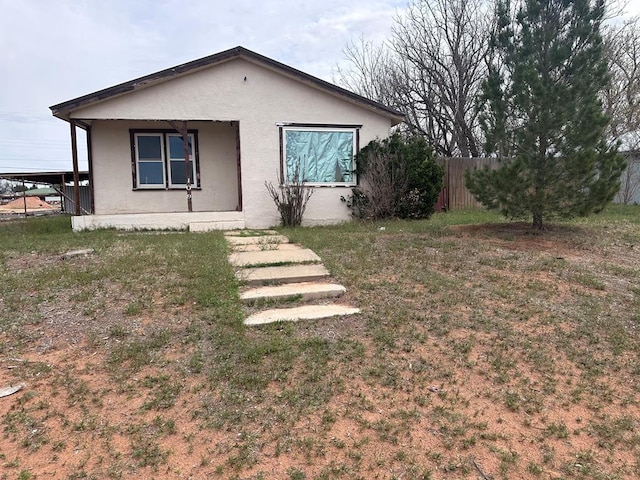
(371, 71)
(442, 45)
(5, 186)
(622, 99)
(431, 69)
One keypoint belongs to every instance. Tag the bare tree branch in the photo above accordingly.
(622, 100)
(431, 70)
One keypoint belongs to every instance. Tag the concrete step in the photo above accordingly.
(271, 257)
(249, 233)
(286, 274)
(258, 240)
(306, 312)
(305, 291)
(266, 247)
(215, 225)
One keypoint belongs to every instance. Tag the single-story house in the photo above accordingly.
(192, 146)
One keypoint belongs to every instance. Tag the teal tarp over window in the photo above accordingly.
(321, 156)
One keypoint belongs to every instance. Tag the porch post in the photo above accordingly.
(185, 144)
(76, 174)
(238, 167)
(181, 127)
(90, 162)
(24, 197)
(62, 198)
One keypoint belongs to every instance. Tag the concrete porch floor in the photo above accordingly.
(193, 221)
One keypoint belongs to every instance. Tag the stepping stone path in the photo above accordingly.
(274, 270)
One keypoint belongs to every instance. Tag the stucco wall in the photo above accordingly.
(259, 99)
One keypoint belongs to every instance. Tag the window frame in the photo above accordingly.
(309, 127)
(138, 160)
(170, 159)
(164, 135)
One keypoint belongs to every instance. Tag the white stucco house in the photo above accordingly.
(240, 119)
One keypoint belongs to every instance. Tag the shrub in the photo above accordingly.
(398, 178)
(291, 199)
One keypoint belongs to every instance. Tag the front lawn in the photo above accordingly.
(484, 349)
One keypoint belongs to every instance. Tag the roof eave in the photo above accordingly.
(62, 110)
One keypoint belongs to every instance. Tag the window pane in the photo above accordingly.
(149, 147)
(320, 156)
(176, 147)
(178, 173)
(150, 173)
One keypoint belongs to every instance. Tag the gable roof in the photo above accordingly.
(62, 110)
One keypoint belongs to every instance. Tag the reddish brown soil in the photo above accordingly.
(73, 421)
(32, 203)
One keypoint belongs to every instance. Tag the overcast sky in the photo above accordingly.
(55, 50)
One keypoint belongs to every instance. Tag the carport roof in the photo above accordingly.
(49, 178)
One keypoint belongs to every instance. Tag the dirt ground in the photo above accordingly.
(437, 417)
(32, 204)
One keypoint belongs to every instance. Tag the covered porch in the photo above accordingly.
(161, 174)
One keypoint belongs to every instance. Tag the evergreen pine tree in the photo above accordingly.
(540, 107)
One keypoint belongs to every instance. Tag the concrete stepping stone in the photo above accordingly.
(304, 291)
(200, 227)
(285, 274)
(266, 247)
(249, 233)
(306, 312)
(259, 240)
(266, 257)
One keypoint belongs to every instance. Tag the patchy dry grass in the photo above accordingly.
(484, 350)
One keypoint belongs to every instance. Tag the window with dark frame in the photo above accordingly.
(158, 162)
(323, 155)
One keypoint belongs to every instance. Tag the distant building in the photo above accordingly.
(629, 192)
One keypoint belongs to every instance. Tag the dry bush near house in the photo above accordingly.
(290, 198)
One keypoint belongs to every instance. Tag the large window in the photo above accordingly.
(158, 159)
(322, 155)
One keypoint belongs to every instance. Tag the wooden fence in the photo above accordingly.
(454, 195)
